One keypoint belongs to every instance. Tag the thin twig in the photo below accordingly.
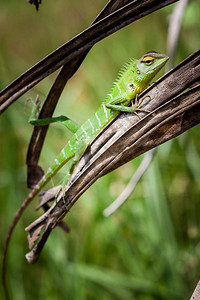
(131, 185)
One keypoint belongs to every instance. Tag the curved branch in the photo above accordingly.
(131, 185)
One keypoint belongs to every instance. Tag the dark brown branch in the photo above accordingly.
(126, 137)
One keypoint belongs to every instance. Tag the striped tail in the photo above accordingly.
(65, 155)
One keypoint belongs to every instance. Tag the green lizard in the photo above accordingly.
(132, 80)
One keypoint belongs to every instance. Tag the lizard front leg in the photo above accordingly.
(120, 104)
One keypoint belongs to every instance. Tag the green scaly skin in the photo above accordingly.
(132, 80)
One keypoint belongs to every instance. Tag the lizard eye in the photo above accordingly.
(148, 60)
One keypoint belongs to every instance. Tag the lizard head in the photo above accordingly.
(149, 65)
(152, 62)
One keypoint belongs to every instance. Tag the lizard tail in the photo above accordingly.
(57, 164)
(17, 216)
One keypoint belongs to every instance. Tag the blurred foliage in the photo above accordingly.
(149, 249)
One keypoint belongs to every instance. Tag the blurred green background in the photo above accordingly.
(149, 249)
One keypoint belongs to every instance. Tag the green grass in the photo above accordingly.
(149, 249)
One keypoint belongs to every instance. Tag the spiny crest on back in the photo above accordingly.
(124, 69)
(121, 72)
